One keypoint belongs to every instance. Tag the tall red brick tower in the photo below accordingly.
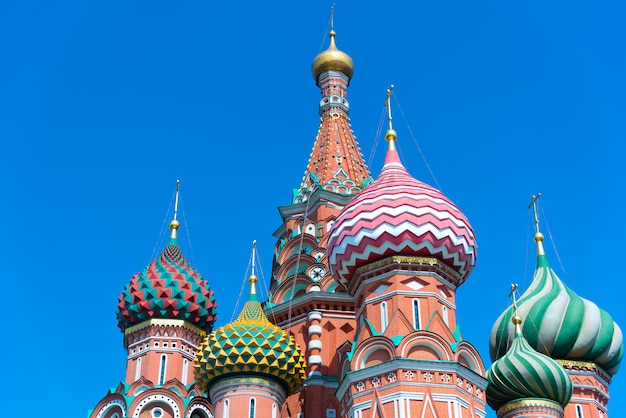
(572, 330)
(304, 297)
(401, 249)
(164, 311)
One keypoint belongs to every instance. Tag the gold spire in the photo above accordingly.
(538, 235)
(391, 135)
(333, 58)
(517, 320)
(253, 279)
(174, 224)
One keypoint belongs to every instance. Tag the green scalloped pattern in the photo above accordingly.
(168, 288)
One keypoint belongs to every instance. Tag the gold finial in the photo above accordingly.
(253, 279)
(332, 59)
(517, 320)
(391, 135)
(174, 225)
(538, 235)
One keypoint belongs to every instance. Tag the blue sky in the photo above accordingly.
(104, 105)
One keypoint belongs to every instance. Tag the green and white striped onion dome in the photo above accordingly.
(559, 323)
(523, 373)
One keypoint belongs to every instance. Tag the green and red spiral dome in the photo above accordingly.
(168, 288)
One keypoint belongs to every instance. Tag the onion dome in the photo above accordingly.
(399, 215)
(251, 345)
(168, 288)
(559, 323)
(332, 59)
(523, 373)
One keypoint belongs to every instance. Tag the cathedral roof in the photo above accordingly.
(399, 215)
(251, 345)
(168, 288)
(559, 323)
(524, 373)
(336, 163)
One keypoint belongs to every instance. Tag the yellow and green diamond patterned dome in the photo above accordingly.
(251, 345)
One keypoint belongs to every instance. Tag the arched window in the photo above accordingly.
(138, 368)
(384, 319)
(274, 409)
(226, 412)
(579, 412)
(162, 369)
(252, 408)
(444, 313)
(416, 313)
(185, 371)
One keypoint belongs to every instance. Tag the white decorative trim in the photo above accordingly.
(315, 360)
(111, 404)
(315, 315)
(315, 330)
(156, 398)
(315, 344)
(201, 407)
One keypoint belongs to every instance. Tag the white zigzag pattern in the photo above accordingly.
(347, 221)
(340, 249)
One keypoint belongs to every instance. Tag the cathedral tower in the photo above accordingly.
(401, 249)
(304, 297)
(164, 311)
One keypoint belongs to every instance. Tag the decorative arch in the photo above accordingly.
(467, 355)
(111, 406)
(294, 247)
(161, 398)
(200, 410)
(373, 351)
(429, 347)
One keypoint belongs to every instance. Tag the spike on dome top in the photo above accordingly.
(168, 288)
(251, 345)
(523, 373)
(332, 59)
(399, 215)
(559, 323)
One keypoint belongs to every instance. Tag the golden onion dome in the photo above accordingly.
(332, 59)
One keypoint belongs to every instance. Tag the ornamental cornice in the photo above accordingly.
(404, 263)
(405, 365)
(534, 404)
(165, 322)
(573, 365)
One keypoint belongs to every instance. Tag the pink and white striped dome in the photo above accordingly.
(399, 215)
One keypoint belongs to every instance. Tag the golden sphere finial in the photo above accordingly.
(174, 224)
(391, 135)
(517, 320)
(538, 237)
(332, 59)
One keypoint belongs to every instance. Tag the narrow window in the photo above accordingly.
(252, 412)
(444, 312)
(416, 313)
(162, 369)
(331, 413)
(138, 368)
(274, 409)
(384, 321)
(579, 411)
(185, 370)
(226, 412)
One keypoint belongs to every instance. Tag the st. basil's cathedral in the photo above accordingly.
(360, 321)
